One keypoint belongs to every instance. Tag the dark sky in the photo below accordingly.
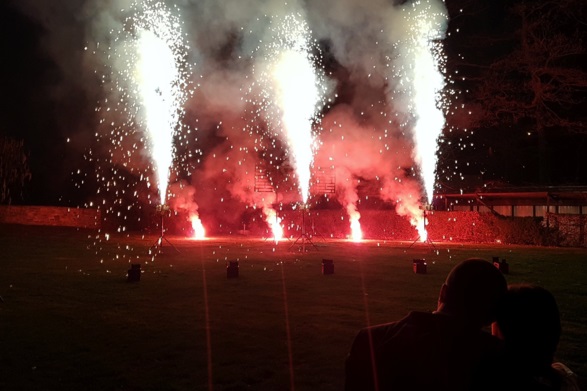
(42, 105)
(50, 88)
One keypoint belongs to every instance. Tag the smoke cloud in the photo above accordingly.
(362, 134)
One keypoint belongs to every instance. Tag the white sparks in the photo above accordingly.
(292, 91)
(160, 83)
(422, 82)
(356, 232)
(274, 222)
(198, 227)
(156, 78)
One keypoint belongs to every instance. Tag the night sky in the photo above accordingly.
(51, 88)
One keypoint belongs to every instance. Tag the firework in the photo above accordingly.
(274, 222)
(425, 79)
(291, 91)
(356, 232)
(160, 84)
(199, 230)
(146, 81)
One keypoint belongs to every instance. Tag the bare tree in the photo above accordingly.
(524, 77)
(542, 79)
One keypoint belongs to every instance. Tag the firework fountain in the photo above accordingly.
(289, 89)
(161, 85)
(296, 86)
(159, 77)
(291, 93)
(422, 83)
(148, 83)
(427, 85)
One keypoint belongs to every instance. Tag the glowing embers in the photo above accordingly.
(274, 222)
(421, 221)
(263, 184)
(420, 224)
(276, 228)
(198, 228)
(356, 232)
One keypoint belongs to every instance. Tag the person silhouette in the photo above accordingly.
(528, 322)
(432, 351)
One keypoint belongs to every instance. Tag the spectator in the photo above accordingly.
(528, 321)
(432, 351)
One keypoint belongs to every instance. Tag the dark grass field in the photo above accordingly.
(70, 321)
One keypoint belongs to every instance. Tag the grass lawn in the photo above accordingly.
(70, 321)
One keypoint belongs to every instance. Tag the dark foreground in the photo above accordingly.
(70, 321)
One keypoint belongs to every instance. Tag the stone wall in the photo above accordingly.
(382, 224)
(50, 215)
(457, 226)
(563, 230)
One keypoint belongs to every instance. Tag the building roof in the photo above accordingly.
(575, 195)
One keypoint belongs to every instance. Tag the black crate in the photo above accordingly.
(134, 273)
(420, 266)
(327, 266)
(232, 269)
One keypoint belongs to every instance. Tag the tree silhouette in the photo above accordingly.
(518, 68)
(14, 170)
(540, 85)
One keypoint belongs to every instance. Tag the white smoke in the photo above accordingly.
(365, 131)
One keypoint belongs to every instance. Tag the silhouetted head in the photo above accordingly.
(471, 292)
(528, 320)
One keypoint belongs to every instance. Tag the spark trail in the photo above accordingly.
(160, 84)
(292, 91)
(417, 66)
(427, 86)
(424, 54)
(146, 81)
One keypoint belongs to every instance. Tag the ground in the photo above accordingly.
(70, 320)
